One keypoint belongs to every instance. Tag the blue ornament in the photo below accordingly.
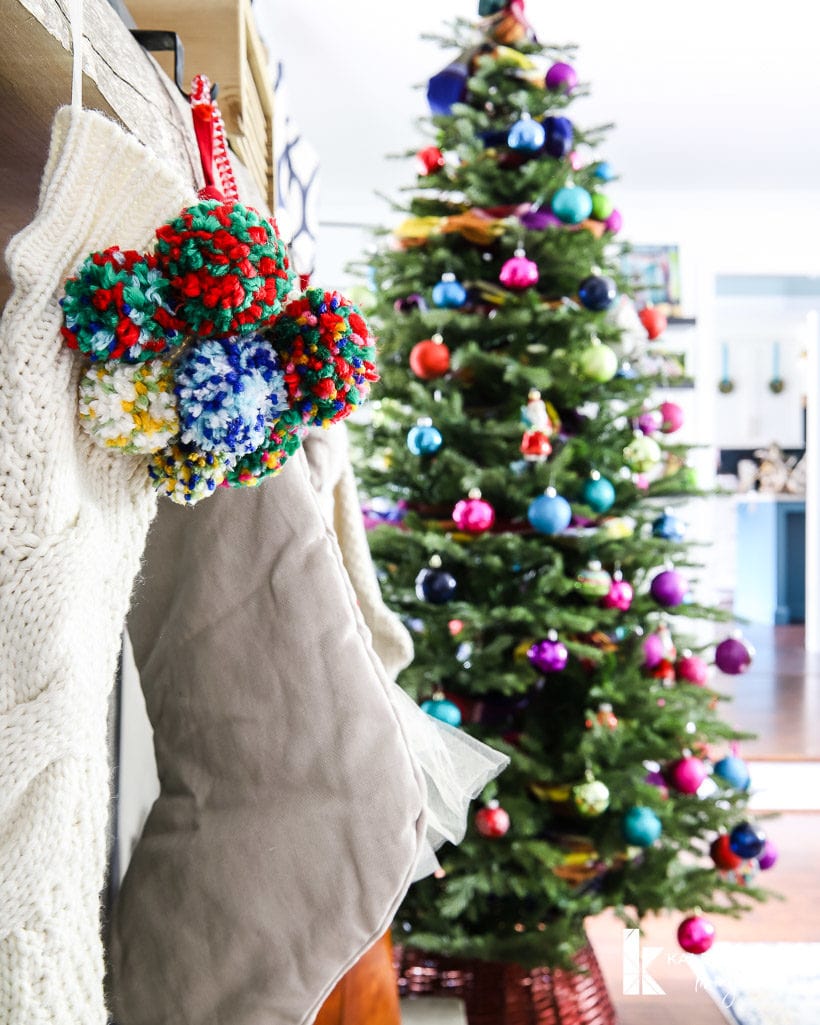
(228, 392)
(572, 204)
(549, 513)
(640, 826)
(746, 840)
(424, 439)
(526, 135)
(669, 527)
(559, 137)
(446, 88)
(492, 140)
(443, 710)
(598, 493)
(449, 293)
(604, 171)
(734, 771)
(435, 585)
(597, 293)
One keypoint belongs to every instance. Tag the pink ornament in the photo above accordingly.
(455, 626)
(619, 597)
(657, 647)
(518, 271)
(686, 774)
(696, 934)
(692, 669)
(641, 481)
(732, 656)
(672, 417)
(473, 515)
(650, 421)
(614, 222)
(576, 161)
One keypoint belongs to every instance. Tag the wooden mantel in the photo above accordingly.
(120, 79)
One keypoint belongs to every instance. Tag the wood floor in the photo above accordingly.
(779, 699)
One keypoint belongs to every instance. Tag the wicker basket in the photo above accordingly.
(496, 993)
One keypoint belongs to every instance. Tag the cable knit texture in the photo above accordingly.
(74, 519)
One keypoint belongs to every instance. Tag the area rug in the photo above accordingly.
(763, 983)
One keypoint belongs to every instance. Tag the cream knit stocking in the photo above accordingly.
(73, 522)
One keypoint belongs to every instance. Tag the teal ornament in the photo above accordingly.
(571, 204)
(550, 513)
(604, 170)
(449, 293)
(424, 439)
(640, 826)
(443, 710)
(526, 135)
(598, 493)
(734, 771)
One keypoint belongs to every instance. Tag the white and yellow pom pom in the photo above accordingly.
(130, 407)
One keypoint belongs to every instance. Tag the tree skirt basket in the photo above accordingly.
(496, 993)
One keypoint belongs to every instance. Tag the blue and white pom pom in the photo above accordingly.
(228, 391)
(129, 406)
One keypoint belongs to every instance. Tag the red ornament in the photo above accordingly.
(723, 855)
(430, 159)
(687, 774)
(536, 446)
(696, 934)
(654, 322)
(664, 670)
(430, 358)
(604, 717)
(492, 821)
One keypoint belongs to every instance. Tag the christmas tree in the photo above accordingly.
(519, 474)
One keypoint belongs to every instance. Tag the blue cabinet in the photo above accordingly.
(770, 583)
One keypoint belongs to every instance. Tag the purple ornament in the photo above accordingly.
(518, 272)
(614, 222)
(561, 77)
(655, 779)
(650, 421)
(411, 302)
(768, 856)
(732, 656)
(539, 220)
(653, 650)
(669, 587)
(549, 655)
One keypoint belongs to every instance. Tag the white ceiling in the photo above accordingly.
(709, 94)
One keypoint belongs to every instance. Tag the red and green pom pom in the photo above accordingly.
(119, 307)
(227, 265)
(326, 352)
(266, 461)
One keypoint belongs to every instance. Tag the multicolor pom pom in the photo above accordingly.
(130, 407)
(266, 461)
(228, 392)
(327, 355)
(185, 475)
(227, 264)
(119, 306)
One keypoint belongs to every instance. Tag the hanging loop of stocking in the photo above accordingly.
(209, 129)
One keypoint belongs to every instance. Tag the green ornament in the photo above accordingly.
(593, 581)
(642, 453)
(598, 362)
(591, 798)
(602, 206)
